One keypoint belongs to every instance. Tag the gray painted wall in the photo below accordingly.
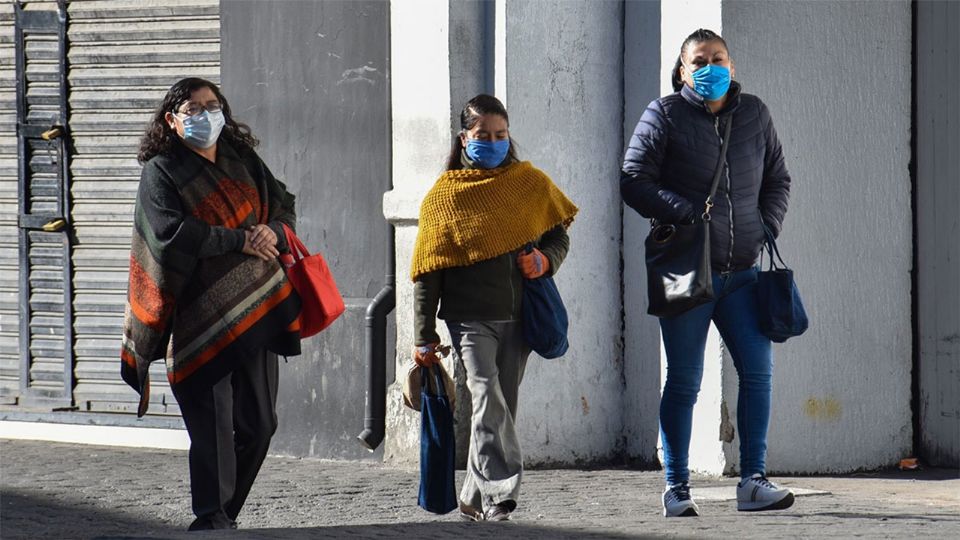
(836, 76)
(938, 229)
(564, 90)
(641, 332)
(311, 79)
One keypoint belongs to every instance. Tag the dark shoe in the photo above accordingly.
(212, 522)
(500, 512)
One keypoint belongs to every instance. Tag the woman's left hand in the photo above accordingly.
(262, 237)
(534, 264)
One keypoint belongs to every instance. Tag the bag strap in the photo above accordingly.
(770, 246)
(718, 172)
(297, 249)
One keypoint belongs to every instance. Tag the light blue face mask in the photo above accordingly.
(711, 81)
(487, 154)
(203, 129)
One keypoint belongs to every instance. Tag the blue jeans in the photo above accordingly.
(734, 312)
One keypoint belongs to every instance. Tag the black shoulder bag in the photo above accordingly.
(678, 256)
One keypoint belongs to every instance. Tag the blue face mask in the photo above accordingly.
(202, 130)
(711, 81)
(487, 154)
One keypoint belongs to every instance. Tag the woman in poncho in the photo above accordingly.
(207, 292)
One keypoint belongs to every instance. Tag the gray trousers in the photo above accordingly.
(494, 357)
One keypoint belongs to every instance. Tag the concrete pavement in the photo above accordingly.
(55, 490)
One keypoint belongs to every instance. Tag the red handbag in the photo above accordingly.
(311, 277)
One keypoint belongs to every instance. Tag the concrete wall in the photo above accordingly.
(641, 332)
(564, 93)
(938, 230)
(420, 91)
(311, 79)
(575, 77)
(836, 76)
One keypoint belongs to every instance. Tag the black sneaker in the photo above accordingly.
(678, 503)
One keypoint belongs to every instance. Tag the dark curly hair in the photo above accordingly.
(159, 138)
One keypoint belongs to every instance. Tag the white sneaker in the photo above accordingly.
(757, 493)
(677, 502)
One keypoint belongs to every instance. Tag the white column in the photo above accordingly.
(679, 19)
(421, 137)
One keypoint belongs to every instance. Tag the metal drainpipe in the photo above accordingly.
(374, 422)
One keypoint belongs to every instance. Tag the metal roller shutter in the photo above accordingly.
(124, 55)
(9, 290)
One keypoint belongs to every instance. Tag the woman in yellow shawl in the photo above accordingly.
(469, 260)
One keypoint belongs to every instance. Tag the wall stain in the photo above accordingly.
(585, 405)
(826, 409)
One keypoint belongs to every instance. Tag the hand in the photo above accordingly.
(262, 237)
(534, 264)
(430, 354)
(426, 355)
(267, 253)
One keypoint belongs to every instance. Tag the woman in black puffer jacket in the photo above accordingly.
(667, 173)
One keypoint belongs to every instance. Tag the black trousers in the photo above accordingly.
(230, 425)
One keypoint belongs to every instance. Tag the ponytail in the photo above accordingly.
(676, 80)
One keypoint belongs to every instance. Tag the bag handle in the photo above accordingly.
(770, 246)
(297, 249)
(718, 172)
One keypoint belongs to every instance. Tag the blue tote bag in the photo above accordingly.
(544, 316)
(781, 311)
(437, 447)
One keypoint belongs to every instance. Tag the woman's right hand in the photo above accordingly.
(426, 355)
(430, 354)
(265, 253)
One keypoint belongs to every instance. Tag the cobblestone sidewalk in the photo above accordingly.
(51, 490)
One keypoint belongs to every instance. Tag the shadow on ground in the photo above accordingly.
(31, 516)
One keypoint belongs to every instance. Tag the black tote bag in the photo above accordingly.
(781, 312)
(679, 276)
(437, 447)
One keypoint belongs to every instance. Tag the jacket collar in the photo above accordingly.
(696, 100)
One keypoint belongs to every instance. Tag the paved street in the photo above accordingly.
(52, 490)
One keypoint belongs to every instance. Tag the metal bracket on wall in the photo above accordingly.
(43, 196)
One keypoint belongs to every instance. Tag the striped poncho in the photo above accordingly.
(194, 299)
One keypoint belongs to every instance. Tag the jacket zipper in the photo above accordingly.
(726, 169)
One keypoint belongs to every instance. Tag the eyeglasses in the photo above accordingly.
(194, 109)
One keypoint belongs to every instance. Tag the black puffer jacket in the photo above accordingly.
(669, 166)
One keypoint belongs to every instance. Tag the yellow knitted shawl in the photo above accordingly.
(471, 215)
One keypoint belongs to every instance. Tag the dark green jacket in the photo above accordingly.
(489, 290)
